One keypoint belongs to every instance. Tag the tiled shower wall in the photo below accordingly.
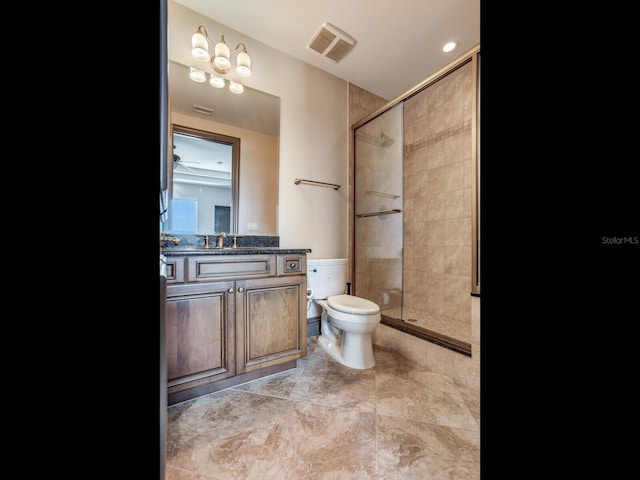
(361, 104)
(437, 202)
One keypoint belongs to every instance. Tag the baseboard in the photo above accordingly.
(218, 385)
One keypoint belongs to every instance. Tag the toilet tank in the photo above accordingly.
(326, 276)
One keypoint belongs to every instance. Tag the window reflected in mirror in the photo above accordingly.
(199, 111)
(204, 179)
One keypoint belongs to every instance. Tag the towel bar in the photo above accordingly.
(376, 214)
(313, 182)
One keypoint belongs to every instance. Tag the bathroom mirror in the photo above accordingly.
(253, 119)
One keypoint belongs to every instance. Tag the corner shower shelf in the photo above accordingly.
(382, 194)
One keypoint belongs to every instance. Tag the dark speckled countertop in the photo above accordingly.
(246, 245)
(177, 251)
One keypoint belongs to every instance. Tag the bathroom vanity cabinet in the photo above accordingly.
(232, 318)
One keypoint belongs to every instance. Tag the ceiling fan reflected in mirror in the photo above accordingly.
(177, 162)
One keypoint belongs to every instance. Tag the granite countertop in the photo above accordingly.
(180, 245)
(178, 251)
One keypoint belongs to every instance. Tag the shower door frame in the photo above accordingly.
(473, 56)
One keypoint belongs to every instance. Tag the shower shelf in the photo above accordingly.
(298, 181)
(382, 194)
(376, 214)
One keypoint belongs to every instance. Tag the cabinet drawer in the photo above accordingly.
(175, 269)
(213, 268)
(294, 264)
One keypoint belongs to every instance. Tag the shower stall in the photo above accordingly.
(416, 207)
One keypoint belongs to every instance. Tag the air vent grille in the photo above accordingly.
(202, 110)
(331, 42)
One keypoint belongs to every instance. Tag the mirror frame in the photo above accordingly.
(235, 168)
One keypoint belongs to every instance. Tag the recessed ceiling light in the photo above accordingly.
(449, 46)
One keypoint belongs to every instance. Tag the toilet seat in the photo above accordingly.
(352, 304)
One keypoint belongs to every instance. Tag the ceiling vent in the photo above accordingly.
(331, 42)
(202, 110)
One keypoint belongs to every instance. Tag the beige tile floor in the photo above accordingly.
(322, 420)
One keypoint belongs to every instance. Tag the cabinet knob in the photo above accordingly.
(230, 290)
(241, 289)
(293, 265)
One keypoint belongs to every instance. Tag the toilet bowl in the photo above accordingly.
(346, 321)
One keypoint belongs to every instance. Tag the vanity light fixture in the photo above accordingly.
(220, 62)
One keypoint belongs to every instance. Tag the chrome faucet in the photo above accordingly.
(220, 240)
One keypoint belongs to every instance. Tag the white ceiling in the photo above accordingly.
(398, 42)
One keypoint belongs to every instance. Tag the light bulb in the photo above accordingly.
(222, 55)
(236, 87)
(216, 81)
(200, 48)
(244, 64)
(197, 75)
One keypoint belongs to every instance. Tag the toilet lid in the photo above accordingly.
(352, 304)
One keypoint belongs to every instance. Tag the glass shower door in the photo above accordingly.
(415, 199)
(378, 186)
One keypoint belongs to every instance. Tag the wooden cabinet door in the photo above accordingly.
(200, 332)
(271, 321)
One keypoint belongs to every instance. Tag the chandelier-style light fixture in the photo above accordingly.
(220, 62)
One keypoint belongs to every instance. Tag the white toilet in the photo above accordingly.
(346, 321)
